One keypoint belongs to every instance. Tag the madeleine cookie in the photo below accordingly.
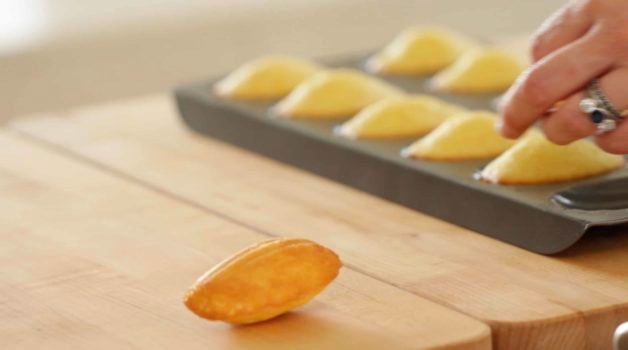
(535, 160)
(398, 117)
(480, 71)
(263, 281)
(470, 135)
(334, 94)
(266, 78)
(419, 51)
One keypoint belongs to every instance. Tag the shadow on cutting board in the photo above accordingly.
(602, 248)
(300, 330)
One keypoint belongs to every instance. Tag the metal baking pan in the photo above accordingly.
(525, 216)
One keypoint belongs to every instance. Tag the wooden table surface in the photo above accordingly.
(109, 213)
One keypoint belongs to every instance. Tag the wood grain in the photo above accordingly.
(571, 301)
(92, 261)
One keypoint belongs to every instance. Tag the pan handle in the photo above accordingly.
(610, 194)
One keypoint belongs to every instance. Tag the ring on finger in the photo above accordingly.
(600, 109)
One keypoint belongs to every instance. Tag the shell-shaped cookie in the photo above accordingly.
(480, 71)
(263, 281)
(333, 94)
(470, 135)
(418, 51)
(266, 78)
(535, 160)
(398, 117)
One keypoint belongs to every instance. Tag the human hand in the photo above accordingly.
(585, 40)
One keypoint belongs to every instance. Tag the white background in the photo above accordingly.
(60, 53)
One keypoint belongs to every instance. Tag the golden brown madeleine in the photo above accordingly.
(339, 93)
(263, 281)
(398, 117)
(535, 160)
(266, 78)
(468, 135)
(480, 71)
(418, 51)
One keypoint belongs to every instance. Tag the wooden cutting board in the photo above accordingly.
(571, 301)
(91, 259)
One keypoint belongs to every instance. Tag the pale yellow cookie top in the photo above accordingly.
(480, 71)
(469, 135)
(535, 160)
(338, 93)
(398, 117)
(266, 78)
(418, 51)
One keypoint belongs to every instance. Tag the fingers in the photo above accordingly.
(614, 87)
(568, 123)
(563, 27)
(615, 141)
(552, 79)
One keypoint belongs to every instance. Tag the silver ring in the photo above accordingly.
(595, 91)
(600, 109)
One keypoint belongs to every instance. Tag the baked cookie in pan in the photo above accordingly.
(266, 78)
(419, 51)
(339, 93)
(535, 160)
(487, 70)
(398, 117)
(469, 135)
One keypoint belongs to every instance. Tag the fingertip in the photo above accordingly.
(504, 122)
(507, 107)
(499, 123)
(538, 48)
(558, 140)
(506, 130)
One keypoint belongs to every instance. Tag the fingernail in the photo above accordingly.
(505, 130)
(499, 124)
(505, 98)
